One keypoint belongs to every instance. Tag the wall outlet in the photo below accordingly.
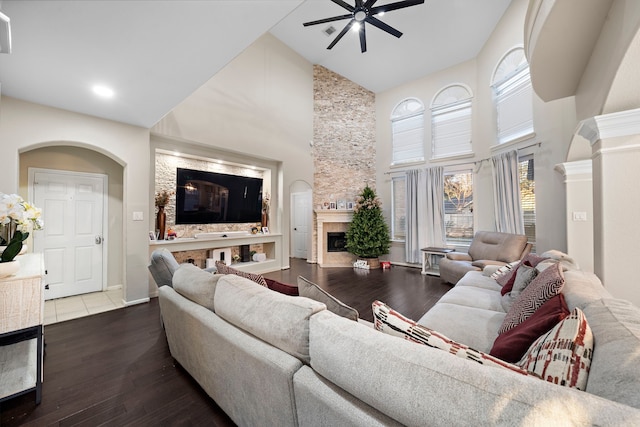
(138, 216)
(579, 216)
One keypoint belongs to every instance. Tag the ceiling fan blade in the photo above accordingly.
(342, 33)
(324, 21)
(384, 27)
(369, 3)
(344, 5)
(395, 6)
(358, 3)
(363, 39)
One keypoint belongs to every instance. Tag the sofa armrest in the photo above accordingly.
(459, 256)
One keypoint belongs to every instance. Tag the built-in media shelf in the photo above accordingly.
(271, 244)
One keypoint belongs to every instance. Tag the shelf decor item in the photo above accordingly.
(17, 219)
(265, 210)
(162, 198)
(368, 234)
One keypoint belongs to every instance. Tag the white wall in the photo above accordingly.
(260, 104)
(24, 126)
(553, 122)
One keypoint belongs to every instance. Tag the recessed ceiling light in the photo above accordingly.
(103, 91)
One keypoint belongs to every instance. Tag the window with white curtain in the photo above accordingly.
(513, 97)
(407, 126)
(451, 122)
(398, 208)
(458, 206)
(528, 197)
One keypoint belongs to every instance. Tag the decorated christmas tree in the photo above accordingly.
(368, 233)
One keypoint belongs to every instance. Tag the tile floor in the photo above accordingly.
(59, 310)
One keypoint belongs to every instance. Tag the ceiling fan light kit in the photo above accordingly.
(361, 13)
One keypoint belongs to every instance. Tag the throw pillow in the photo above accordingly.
(563, 355)
(503, 269)
(283, 288)
(524, 276)
(225, 269)
(545, 286)
(389, 321)
(507, 279)
(311, 290)
(514, 343)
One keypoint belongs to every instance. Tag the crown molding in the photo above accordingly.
(622, 123)
(579, 167)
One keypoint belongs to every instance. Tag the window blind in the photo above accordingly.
(451, 130)
(514, 108)
(408, 139)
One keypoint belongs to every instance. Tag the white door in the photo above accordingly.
(301, 217)
(72, 205)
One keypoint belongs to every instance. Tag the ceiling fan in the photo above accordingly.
(364, 12)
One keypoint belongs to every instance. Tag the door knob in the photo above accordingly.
(98, 240)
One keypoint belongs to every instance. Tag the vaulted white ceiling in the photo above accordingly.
(154, 54)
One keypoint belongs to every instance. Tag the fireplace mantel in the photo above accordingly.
(332, 216)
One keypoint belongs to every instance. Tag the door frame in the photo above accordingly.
(105, 206)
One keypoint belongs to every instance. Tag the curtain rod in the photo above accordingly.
(475, 163)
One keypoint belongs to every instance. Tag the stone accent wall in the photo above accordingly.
(166, 166)
(344, 140)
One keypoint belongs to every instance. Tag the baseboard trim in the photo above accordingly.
(136, 302)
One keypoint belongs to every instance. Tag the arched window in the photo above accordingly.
(407, 127)
(451, 122)
(513, 94)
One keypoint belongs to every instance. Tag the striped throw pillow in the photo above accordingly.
(225, 269)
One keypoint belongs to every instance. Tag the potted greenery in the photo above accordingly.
(368, 233)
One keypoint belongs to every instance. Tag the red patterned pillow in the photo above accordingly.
(507, 279)
(512, 345)
(225, 269)
(545, 286)
(389, 321)
(563, 355)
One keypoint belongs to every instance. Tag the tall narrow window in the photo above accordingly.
(399, 208)
(513, 97)
(458, 207)
(407, 126)
(451, 122)
(528, 197)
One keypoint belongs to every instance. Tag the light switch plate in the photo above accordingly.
(579, 216)
(138, 216)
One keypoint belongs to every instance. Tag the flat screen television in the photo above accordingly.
(216, 198)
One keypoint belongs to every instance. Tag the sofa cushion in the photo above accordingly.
(512, 345)
(563, 355)
(225, 269)
(195, 284)
(476, 327)
(280, 320)
(615, 369)
(545, 286)
(393, 323)
(582, 288)
(523, 277)
(311, 290)
(471, 296)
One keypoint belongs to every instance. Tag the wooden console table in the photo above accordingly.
(21, 329)
(430, 258)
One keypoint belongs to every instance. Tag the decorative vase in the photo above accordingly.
(161, 222)
(9, 268)
(265, 219)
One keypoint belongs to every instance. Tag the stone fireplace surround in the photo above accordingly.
(331, 221)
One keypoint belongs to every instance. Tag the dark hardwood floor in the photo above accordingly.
(115, 368)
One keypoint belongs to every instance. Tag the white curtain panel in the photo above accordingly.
(506, 191)
(425, 211)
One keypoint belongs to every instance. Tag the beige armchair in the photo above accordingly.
(487, 248)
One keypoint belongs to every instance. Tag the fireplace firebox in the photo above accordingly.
(336, 242)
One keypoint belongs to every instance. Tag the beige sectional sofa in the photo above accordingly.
(275, 360)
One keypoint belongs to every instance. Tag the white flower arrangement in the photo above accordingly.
(17, 219)
(17, 214)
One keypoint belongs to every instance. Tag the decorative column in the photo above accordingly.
(615, 144)
(578, 179)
